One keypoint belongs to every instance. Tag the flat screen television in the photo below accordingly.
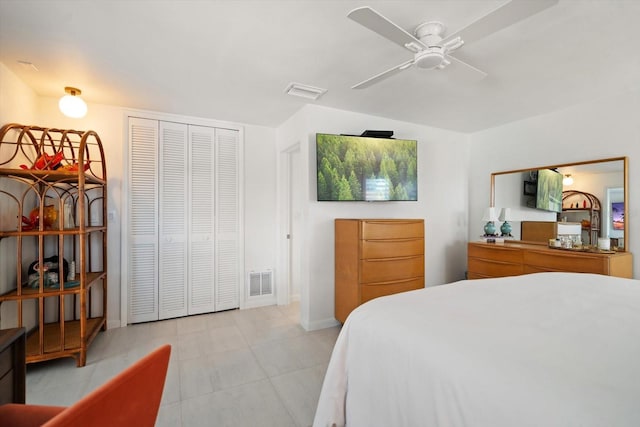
(617, 215)
(351, 168)
(549, 190)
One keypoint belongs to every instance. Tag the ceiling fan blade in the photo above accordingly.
(374, 21)
(385, 74)
(502, 17)
(464, 70)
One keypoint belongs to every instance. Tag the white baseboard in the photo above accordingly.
(294, 298)
(321, 324)
(114, 323)
(259, 302)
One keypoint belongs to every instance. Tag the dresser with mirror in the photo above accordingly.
(594, 198)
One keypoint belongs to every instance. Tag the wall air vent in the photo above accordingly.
(260, 283)
(305, 91)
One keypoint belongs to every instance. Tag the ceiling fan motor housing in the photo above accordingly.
(430, 33)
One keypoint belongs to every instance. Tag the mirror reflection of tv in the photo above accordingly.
(617, 215)
(356, 168)
(549, 190)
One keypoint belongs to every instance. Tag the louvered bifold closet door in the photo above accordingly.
(227, 272)
(172, 279)
(142, 233)
(201, 220)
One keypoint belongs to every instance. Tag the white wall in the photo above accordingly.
(442, 202)
(600, 129)
(260, 198)
(19, 104)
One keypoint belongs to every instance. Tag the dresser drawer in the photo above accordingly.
(503, 253)
(396, 229)
(12, 366)
(486, 260)
(472, 276)
(391, 248)
(559, 261)
(489, 268)
(390, 269)
(6, 388)
(375, 290)
(6, 361)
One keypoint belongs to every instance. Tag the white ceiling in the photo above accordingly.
(232, 60)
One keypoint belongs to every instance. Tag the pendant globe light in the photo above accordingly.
(71, 104)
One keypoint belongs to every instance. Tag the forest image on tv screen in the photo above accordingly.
(549, 191)
(369, 169)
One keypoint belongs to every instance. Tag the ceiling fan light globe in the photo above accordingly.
(429, 59)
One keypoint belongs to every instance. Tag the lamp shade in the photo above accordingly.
(490, 214)
(567, 180)
(71, 104)
(505, 214)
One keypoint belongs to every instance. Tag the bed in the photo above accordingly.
(545, 349)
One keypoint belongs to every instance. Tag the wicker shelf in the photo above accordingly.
(67, 231)
(52, 344)
(588, 208)
(62, 177)
(53, 201)
(27, 292)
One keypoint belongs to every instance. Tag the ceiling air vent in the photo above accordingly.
(304, 91)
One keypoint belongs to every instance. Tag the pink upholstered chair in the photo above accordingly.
(131, 398)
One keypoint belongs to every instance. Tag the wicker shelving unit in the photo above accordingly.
(53, 203)
(582, 207)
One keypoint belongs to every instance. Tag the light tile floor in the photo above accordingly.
(255, 367)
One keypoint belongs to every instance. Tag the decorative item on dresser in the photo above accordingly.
(376, 257)
(42, 170)
(505, 228)
(514, 259)
(490, 216)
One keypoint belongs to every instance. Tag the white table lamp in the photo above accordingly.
(490, 215)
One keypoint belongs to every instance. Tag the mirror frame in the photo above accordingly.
(625, 162)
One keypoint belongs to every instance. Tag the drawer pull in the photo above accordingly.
(493, 261)
(394, 222)
(391, 258)
(407, 239)
(391, 282)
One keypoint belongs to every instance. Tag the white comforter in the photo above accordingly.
(548, 349)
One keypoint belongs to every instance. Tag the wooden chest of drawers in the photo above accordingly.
(376, 257)
(12, 365)
(512, 259)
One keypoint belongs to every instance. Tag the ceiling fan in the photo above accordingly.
(430, 46)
